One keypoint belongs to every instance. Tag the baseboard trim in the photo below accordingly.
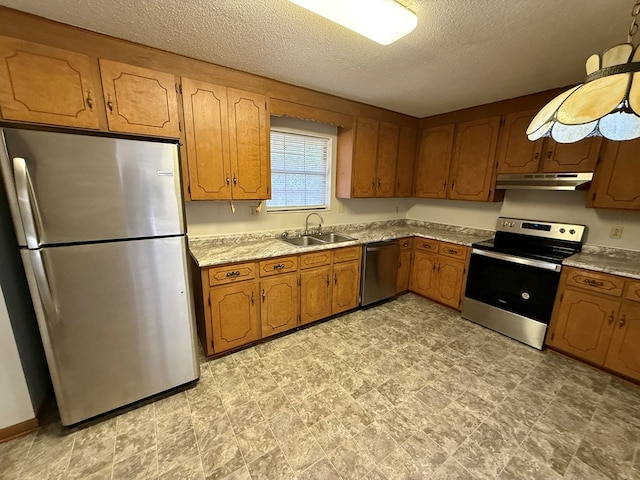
(18, 429)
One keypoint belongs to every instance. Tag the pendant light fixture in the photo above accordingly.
(607, 104)
(383, 21)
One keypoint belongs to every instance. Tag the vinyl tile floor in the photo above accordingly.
(404, 390)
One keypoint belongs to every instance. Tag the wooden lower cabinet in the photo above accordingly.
(315, 294)
(624, 350)
(234, 315)
(438, 271)
(597, 319)
(279, 305)
(346, 286)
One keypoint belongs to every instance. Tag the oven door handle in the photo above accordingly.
(522, 261)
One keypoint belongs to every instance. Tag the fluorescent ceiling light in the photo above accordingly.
(383, 21)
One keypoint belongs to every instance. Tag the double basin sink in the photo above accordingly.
(321, 239)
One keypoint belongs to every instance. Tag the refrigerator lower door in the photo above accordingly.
(116, 321)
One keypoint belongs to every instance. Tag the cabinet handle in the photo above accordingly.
(434, 268)
(373, 183)
(549, 153)
(379, 183)
(252, 298)
(593, 283)
(451, 251)
(438, 268)
(278, 266)
(335, 279)
(263, 295)
(452, 185)
(109, 103)
(426, 245)
(89, 100)
(611, 318)
(535, 157)
(328, 282)
(233, 274)
(623, 320)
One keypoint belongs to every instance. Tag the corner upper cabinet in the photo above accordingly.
(616, 182)
(139, 100)
(41, 84)
(472, 172)
(227, 139)
(516, 153)
(432, 164)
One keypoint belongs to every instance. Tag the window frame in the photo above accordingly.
(328, 178)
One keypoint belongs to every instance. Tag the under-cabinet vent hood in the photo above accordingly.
(544, 181)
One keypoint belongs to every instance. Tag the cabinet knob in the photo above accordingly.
(228, 180)
(335, 279)
(252, 298)
(235, 180)
(263, 295)
(611, 318)
(328, 281)
(623, 320)
(89, 100)
(109, 103)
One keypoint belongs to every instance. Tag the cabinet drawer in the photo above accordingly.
(232, 273)
(633, 291)
(426, 245)
(274, 266)
(318, 259)
(596, 282)
(346, 254)
(406, 243)
(453, 250)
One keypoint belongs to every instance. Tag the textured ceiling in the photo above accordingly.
(462, 53)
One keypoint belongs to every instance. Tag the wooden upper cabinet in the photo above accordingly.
(616, 182)
(207, 139)
(432, 164)
(43, 84)
(388, 136)
(473, 159)
(407, 142)
(139, 100)
(364, 158)
(516, 153)
(580, 156)
(249, 145)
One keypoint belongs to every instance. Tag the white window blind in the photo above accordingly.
(299, 171)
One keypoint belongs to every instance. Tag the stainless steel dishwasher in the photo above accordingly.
(379, 271)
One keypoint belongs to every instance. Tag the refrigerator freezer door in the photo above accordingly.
(116, 320)
(85, 188)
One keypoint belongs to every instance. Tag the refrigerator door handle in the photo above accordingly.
(26, 204)
(44, 286)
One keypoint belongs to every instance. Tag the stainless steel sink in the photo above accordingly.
(304, 241)
(323, 239)
(333, 237)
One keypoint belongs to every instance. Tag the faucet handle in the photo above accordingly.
(284, 235)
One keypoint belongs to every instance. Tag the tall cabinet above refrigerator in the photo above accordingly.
(100, 226)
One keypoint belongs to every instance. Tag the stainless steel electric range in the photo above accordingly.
(513, 279)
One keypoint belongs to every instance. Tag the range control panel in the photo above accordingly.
(563, 231)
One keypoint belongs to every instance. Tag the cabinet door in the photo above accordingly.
(572, 157)
(404, 271)
(407, 143)
(624, 350)
(423, 273)
(616, 182)
(473, 160)
(450, 274)
(43, 84)
(234, 315)
(584, 325)
(516, 153)
(315, 294)
(364, 158)
(387, 159)
(139, 100)
(432, 164)
(207, 139)
(346, 286)
(280, 304)
(249, 145)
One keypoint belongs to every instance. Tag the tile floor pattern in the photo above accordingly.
(406, 390)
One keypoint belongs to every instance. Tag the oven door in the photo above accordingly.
(518, 285)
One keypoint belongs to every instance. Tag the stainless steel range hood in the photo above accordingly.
(544, 181)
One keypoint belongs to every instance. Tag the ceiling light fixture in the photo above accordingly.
(607, 104)
(383, 21)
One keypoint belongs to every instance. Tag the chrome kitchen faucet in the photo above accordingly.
(306, 224)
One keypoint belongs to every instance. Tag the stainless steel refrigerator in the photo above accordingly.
(100, 225)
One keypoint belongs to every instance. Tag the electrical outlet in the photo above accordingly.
(616, 232)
